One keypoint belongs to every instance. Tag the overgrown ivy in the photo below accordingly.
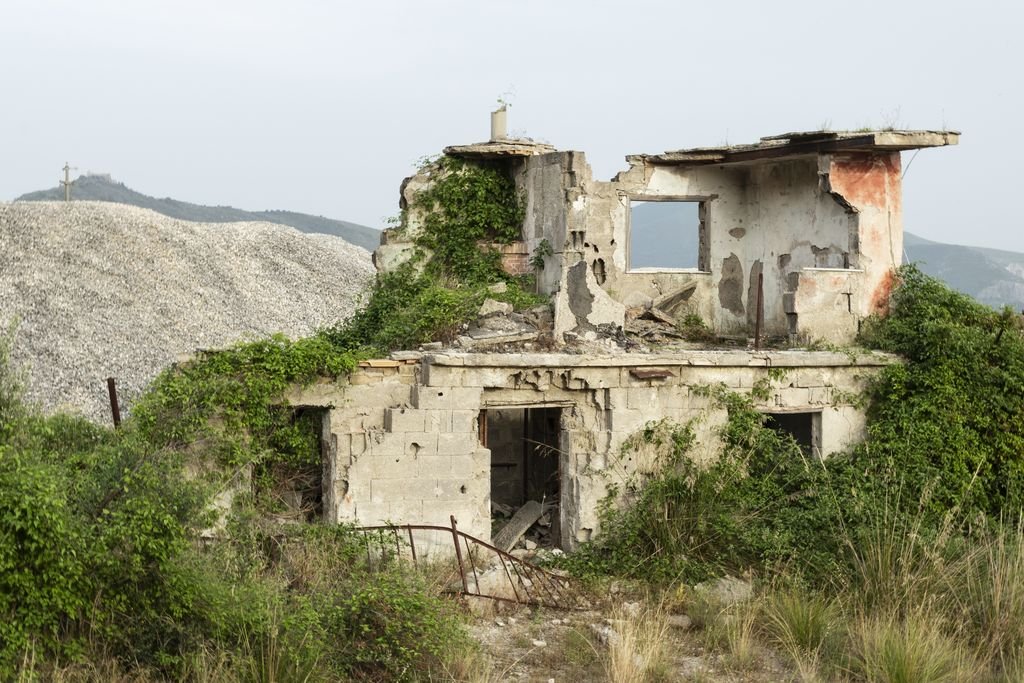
(466, 207)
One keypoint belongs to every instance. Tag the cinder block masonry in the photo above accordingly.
(392, 460)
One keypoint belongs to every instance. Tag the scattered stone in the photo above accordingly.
(498, 288)
(512, 621)
(432, 346)
(658, 315)
(406, 355)
(499, 622)
(500, 323)
(632, 609)
(606, 635)
(679, 621)
(540, 643)
(725, 591)
(530, 545)
(491, 307)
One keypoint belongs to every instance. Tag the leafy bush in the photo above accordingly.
(950, 418)
(466, 207)
(945, 438)
(97, 526)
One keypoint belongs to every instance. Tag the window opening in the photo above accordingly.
(805, 428)
(667, 235)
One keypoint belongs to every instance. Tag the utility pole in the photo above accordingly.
(67, 182)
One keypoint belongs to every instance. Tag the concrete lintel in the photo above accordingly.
(697, 358)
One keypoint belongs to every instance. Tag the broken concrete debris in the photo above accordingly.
(529, 411)
(491, 307)
(523, 519)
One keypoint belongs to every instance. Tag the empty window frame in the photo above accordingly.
(805, 428)
(668, 233)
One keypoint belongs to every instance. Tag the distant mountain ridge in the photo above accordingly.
(103, 188)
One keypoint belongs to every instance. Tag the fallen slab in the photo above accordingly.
(524, 518)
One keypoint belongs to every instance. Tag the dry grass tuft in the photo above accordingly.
(910, 650)
(636, 652)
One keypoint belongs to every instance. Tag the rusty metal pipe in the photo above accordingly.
(458, 554)
(759, 320)
(412, 546)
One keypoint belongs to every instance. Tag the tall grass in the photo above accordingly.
(807, 627)
(637, 653)
(992, 590)
(913, 649)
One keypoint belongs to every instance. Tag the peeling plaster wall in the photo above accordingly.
(795, 226)
(544, 181)
(872, 185)
(404, 442)
(785, 219)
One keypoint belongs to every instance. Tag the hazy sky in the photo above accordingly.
(323, 107)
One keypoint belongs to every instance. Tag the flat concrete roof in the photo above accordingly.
(510, 147)
(804, 143)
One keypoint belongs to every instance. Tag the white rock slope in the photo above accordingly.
(103, 290)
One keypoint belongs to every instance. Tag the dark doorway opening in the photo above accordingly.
(289, 481)
(524, 444)
(805, 428)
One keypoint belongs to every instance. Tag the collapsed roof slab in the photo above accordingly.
(800, 144)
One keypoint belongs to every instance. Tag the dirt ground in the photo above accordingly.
(542, 645)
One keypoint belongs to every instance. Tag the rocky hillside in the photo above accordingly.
(99, 289)
(98, 187)
(992, 276)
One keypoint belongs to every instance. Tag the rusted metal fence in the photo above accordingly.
(478, 569)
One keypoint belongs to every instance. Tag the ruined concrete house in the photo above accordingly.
(812, 221)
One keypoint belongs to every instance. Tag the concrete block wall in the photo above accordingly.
(404, 442)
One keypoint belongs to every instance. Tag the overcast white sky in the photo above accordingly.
(323, 107)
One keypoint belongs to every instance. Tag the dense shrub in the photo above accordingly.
(945, 444)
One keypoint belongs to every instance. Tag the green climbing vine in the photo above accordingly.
(945, 449)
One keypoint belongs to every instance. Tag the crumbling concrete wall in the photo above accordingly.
(870, 185)
(795, 221)
(405, 445)
(823, 230)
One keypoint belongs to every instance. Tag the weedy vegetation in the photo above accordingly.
(101, 571)
(897, 560)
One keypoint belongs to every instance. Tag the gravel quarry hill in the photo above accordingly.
(99, 290)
